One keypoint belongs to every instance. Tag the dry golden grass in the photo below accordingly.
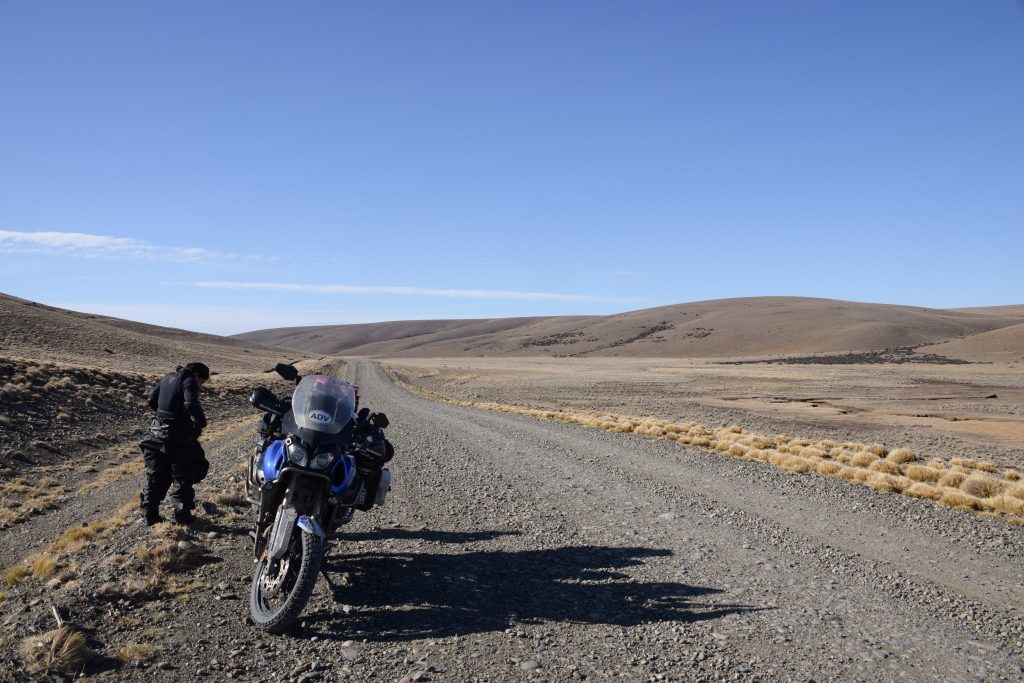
(952, 478)
(863, 459)
(167, 558)
(12, 576)
(900, 456)
(873, 465)
(885, 466)
(888, 483)
(922, 473)
(20, 498)
(829, 468)
(43, 566)
(1009, 504)
(133, 588)
(231, 499)
(112, 474)
(921, 490)
(956, 498)
(136, 652)
(63, 650)
(981, 486)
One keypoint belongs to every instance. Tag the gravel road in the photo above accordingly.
(513, 549)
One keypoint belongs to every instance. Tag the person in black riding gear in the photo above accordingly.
(171, 449)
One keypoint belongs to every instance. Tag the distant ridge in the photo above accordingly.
(36, 331)
(726, 328)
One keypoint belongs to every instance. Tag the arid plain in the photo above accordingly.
(660, 495)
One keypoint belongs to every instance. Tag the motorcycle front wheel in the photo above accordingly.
(280, 590)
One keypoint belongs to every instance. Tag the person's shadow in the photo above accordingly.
(411, 595)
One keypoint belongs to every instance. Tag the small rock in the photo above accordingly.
(529, 665)
(350, 653)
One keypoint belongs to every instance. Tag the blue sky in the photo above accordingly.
(226, 166)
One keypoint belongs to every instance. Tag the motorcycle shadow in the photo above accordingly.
(413, 595)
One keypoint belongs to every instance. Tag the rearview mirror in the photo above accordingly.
(264, 399)
(287, 370)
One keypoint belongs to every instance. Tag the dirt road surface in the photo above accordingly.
(513, 549)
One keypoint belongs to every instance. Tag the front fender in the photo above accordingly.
(310, 525)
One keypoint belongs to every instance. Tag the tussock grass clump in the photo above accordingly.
(952, 478)
(171, 557)
(882, 465)
(170, 531)
(922, 473)
(955, 498)
(132, 588)
(829, 467)
(63, 650)
(980, 486)
(1009, 504)
(12, 576)
(877, 449)
(43, 566)
(136, 652)
(863, 459)
(1012, 475)
(900, 456)
(922, 490)
(888, 483)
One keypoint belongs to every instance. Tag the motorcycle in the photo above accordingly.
(317, 461)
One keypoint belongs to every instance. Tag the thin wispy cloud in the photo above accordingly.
(84, 245)
(407, 291)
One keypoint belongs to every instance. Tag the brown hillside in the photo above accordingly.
(1004, 344)
(44, 333)
(758, 326)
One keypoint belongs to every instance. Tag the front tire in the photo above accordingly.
(275, 609)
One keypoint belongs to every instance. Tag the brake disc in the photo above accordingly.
(272, 584)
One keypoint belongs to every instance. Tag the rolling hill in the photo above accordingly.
(744, 327)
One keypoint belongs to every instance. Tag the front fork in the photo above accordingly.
(274, 537)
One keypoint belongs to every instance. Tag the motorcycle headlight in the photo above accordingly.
(322, 461)
(296, 453)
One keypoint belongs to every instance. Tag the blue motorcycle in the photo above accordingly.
(318, 460)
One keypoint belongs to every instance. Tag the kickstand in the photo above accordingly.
(327, 578)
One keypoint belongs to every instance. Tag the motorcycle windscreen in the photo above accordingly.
(324, 405)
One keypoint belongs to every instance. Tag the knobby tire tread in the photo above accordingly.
(312, 554)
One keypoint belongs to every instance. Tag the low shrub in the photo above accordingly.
(885, 466)
(901, 456)
(863, 459)
(64, 651)
(981, 486)
(922, 473)
(956, 498)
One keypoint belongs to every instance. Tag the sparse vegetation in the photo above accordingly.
(12, 576)
(136, 652)
(232, 499)
(63, 650)
(20, 498)
(967, 485)
(166, 558)
(43, 566)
